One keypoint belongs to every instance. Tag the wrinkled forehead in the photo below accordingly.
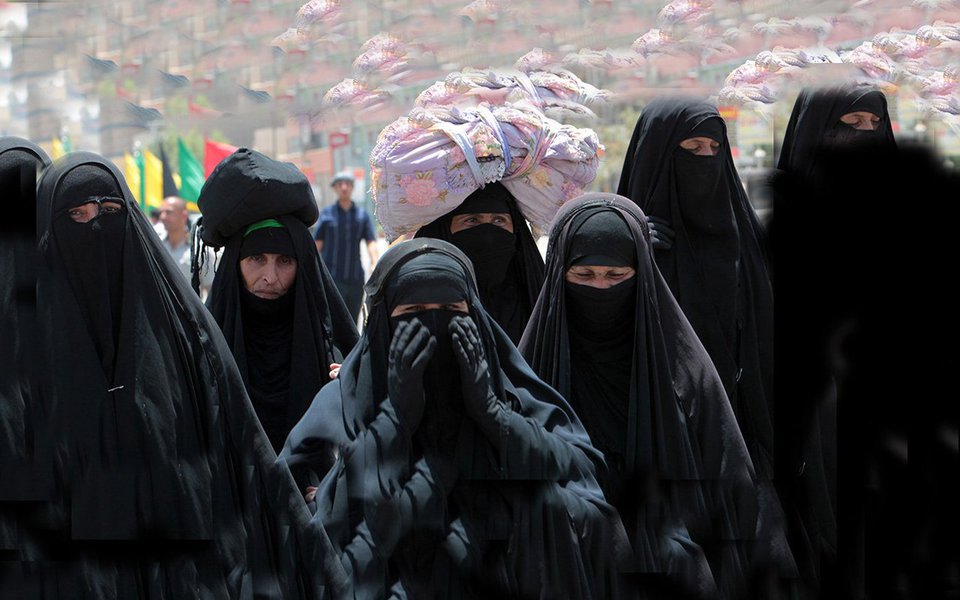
(429, 278)
(84, 182)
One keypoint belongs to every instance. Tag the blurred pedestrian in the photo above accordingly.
(343, 225)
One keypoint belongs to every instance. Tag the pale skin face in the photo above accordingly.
(268, 275)
(89, 211)
(599, 277)
(862, 120)
(470, 220)
(701, 146)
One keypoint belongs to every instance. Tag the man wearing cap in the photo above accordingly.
(273, 298)
(342, 226)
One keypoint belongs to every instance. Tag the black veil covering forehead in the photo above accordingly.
(168, 448)
(248, 187)
(20, 163)
(718, 278)
(509, 303)
(499, 487)
(816, 115)
(680, 425)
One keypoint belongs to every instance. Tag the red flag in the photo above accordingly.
(213, 153)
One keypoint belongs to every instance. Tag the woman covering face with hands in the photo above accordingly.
(460, 473)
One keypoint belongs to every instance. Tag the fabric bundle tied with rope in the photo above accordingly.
(425, 164)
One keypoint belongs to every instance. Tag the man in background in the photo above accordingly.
(341, 228)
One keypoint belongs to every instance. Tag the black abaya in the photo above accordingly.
(511, 511)
(169, 486)
(679, 472)
(20, 163)
(716, 268)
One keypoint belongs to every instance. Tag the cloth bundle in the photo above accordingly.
(558, 91)
(425, 164)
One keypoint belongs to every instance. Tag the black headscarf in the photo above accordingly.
(815, 126)
(509, 266)
(716, 268)
(524, 516)
(153, 434)
(283, 346)
(679, 472)
(20, 163)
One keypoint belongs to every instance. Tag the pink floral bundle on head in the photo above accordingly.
(558, 90)
(425, 164)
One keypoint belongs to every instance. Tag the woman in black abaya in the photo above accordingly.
(20, 163)
(490, 229)
(707, 245)
(460, 473)
(833, 118)
(609, 336)
(284, 346)
(168, 484)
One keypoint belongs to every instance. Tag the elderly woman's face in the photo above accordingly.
(403, 309)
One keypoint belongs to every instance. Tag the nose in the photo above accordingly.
(270, 272)
(705, 151)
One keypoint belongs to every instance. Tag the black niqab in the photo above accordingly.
(523, 518)
(92, 254)
(508, 267)
(283, 346)
(679, 472)
(166, 447)
(716, 268)
(815, 126)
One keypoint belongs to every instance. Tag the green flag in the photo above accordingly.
(191, 173)
(138, 156)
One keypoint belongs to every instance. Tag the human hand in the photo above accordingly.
(661, 234)
(411, 349)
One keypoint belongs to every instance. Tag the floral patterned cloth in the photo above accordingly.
(558, 88)
(426, 163)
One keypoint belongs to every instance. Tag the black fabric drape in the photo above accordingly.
(728, 301)
(21, 469)
(815, 125)
(510, 302)
(524, 517)
(680, 476)
(283, 364)
(167, 484)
